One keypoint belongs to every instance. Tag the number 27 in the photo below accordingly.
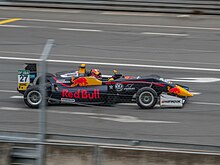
(23, 78)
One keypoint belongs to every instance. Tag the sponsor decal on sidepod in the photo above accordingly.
(81, 94)
(81, 81)
(172, 101)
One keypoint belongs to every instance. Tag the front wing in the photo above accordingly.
(171, 101)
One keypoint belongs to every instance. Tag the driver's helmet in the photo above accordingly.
(96, 73)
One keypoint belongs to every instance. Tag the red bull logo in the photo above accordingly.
(81, 94)
(175, 90)
(81, 81)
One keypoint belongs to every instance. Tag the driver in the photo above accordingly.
(96, 73)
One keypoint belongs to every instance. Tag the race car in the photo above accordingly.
(81, 87)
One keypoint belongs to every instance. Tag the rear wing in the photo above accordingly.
(26, 76)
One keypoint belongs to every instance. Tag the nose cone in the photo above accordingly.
(178, 90)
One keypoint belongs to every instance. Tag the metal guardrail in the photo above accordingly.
(167, 6)
(134, 144)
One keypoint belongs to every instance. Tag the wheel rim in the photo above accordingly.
(34, 97)
(146, 98)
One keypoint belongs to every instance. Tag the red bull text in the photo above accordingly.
(81, 94)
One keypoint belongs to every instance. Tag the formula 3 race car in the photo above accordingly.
(79, 87)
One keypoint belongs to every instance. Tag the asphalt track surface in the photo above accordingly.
(173, 46)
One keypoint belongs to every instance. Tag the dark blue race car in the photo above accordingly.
(81, 87)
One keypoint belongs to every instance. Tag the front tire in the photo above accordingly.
(146, 98)
(33, 97)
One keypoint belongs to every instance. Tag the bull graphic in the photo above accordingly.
(81, 81)
(175, 90)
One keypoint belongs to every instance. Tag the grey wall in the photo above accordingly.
(120, 157)
(70, 155)
(4, 153)
(57, 155)
(60, 155)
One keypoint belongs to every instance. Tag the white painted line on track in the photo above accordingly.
(138, 65)
(12, 109)
(125, 24)
(165, 34)
(131, 119)
(145, 33)
(183, 16)
(132, 14)
(117, 118)
(14, 26)
(114, 64)
(118, 58)
(195, 80)
(198, 103)
(17, 97)
(83, 30)
(8, 91)
(205, 103)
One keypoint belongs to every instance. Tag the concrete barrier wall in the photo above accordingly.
(57, 155)
(128, 157)
(4, 153)
(72, 155)
(60, 155)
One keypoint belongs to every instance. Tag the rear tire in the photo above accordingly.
(146, 98)
(33, 97)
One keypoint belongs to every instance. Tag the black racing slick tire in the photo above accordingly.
(146, 98)
(33, 97)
